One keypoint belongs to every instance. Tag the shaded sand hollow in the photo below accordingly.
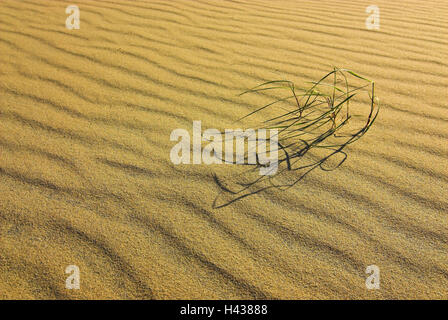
(86, 177)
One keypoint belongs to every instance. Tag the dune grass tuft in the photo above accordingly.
(318, 114)
(314, 125)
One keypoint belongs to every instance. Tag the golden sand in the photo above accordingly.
(86, 178)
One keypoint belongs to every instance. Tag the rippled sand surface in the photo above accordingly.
(86, 177)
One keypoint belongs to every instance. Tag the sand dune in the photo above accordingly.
(85, 171)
